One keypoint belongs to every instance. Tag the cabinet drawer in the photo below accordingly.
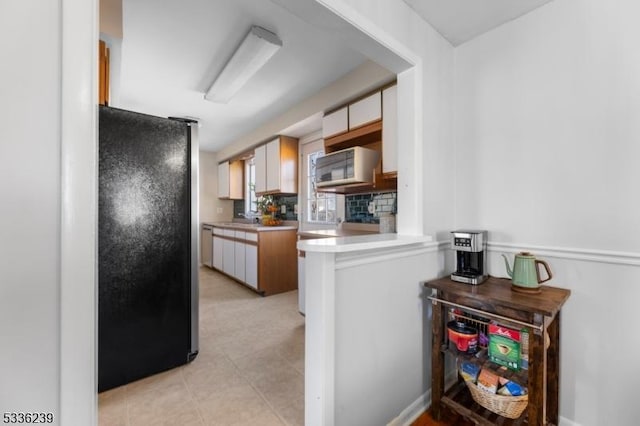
(240, 235)
(365, 111)
(335, 123)
(218, 231)
(251, 236)
(229, 233)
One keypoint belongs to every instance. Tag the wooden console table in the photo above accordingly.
(494, 299)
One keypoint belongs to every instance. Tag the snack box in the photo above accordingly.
(469, 371)
(511, 389)
(488, 381)
(524, 349)
(504, 346)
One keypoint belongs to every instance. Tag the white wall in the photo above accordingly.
(30, 147)
(546, 117)
(382, 338)
(209, 202)
(546, 140)
(362, 79)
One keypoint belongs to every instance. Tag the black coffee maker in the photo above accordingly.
(471, 256)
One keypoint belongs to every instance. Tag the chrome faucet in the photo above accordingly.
(251, 215)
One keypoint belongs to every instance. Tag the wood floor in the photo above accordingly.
(448, 419)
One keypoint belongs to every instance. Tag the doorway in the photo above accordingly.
(79, 172)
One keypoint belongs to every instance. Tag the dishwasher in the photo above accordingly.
(206, 245)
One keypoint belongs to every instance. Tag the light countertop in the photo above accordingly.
(250, 226)
(328, 233)
(360, 242)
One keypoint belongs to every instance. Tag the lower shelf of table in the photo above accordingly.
(458, 398)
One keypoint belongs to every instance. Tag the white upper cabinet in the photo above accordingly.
(335, 123)
(223, 180)
(367, 116)
(260, 161)
(365, 111)
(277, 166)
(390, 129)
(273, 165)
(231, 179)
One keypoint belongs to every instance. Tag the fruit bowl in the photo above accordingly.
(271, 222)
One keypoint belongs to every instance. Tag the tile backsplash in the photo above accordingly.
(358, 206)
(290, 201)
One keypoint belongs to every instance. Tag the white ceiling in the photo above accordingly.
(173, 50)
(461, 20)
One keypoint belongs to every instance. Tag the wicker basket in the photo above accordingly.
(506, 406)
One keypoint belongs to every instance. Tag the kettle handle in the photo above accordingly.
(546, 266)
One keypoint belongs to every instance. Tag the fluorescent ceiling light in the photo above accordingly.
(254, 51)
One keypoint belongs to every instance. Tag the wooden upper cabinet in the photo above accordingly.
(335, 123)
(365, 111)
(231, 180)
(103, 73)
(277, 166)
(390, 130)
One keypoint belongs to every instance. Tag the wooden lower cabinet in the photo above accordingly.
(277, 261)
(265, 261)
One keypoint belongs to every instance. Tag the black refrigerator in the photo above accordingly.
(147, 245)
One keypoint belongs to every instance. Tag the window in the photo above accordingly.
(320, 207)
(250, 198)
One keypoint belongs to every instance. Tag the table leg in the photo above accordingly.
(437, 360)
(537, 375)
(553, 370)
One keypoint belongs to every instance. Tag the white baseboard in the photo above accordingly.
(413, 411)
(563, 421)
(420, 405)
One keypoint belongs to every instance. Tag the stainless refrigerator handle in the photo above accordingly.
(195, 239)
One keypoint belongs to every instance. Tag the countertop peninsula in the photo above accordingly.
(257, 227)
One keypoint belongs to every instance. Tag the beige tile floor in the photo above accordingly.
(249, 371)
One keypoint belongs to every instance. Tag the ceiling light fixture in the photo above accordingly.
(255, 50)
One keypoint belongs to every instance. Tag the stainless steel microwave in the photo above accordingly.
(346, 167)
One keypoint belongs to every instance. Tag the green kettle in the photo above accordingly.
(525, 276)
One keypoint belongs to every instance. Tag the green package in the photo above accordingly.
(504, 346)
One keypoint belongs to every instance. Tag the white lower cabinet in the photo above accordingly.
(206, 246)
(235, 255)
(228, 257)
(239, 248)
(251, 265)
(217, 252)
